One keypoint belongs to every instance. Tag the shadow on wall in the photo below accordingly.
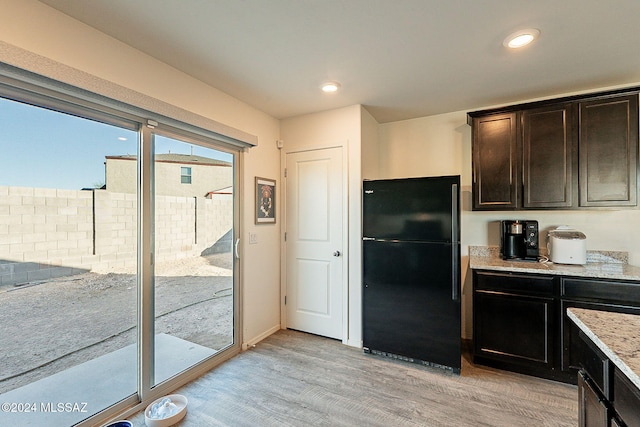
(223, 245)
(14, 273)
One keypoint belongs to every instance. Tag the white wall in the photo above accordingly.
(340, 127)
(55, 38)
(441, 145)
(370, 154)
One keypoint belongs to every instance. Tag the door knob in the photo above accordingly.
(336, 253)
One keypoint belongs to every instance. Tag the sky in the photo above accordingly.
(46, 149)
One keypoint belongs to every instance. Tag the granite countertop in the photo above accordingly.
(600, 264)
(615, 334)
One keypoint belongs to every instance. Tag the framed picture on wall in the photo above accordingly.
(265, 201)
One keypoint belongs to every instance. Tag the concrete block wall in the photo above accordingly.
(175, 227)
(47, 233)
(215, 219)
(116, 225)
(44, 233)
(186, 227)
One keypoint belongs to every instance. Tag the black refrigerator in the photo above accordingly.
(411, 270)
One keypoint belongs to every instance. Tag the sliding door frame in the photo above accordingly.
(41, 96)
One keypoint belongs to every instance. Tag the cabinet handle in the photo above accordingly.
(455, 268)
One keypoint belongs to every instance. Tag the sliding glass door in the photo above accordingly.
(67, 267)
(118, 277)
(193, 280)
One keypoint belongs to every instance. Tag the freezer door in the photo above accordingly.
(418, 209)
(411, 304)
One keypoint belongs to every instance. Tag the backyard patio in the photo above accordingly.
(72, 326)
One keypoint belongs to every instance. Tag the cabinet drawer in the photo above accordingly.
(627, 293)
(515, 283)
(626, 399)
(595, 364)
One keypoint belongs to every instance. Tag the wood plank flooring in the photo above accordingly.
(297, 379)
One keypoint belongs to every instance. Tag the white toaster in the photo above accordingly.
(567, 246)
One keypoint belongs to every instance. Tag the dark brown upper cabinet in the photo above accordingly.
(608, 146)
(547, 157)
(495, 162)
(568, 153)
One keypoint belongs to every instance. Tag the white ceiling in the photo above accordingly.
(401, 59)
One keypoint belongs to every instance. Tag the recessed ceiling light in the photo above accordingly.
(521, 38)
(330, 87)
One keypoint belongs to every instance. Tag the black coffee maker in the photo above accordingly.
(519, 240)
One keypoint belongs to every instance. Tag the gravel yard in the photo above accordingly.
(50, 326)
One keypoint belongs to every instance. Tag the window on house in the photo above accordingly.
(185, 175)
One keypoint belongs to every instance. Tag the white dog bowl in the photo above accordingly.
(177, 399)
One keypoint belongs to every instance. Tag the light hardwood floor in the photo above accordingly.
(297, 379)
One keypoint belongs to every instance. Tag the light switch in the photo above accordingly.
(253, 238)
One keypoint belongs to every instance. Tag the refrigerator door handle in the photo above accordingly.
(454, 213)
(455, 282)
(455, 244)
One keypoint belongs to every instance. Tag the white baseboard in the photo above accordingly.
(252, 342)
(353, 343)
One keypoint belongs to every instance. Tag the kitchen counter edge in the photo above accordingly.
(608, 265)
(613, 333)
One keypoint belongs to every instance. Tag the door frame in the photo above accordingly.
(344, 146)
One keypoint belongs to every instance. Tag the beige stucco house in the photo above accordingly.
(181, 175)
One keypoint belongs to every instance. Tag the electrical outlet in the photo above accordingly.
(253, 238)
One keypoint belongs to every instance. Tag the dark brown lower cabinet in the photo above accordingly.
(626, 400)
(606, 397)
(616, 423)
(515, 327)
(520, 322)
(514, 322)
(570, 356)
(593, 410)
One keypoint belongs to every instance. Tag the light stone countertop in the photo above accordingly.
(600, 265)
(617, 335)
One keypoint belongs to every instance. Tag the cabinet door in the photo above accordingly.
(616, 423)
(608, 147)
(513, 329)
(548, 161)
(592, 410)
(495, 162)
(596, 365)
(626, 400)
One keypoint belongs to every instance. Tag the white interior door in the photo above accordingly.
(314, 241)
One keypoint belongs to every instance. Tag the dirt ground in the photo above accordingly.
(50, 326)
